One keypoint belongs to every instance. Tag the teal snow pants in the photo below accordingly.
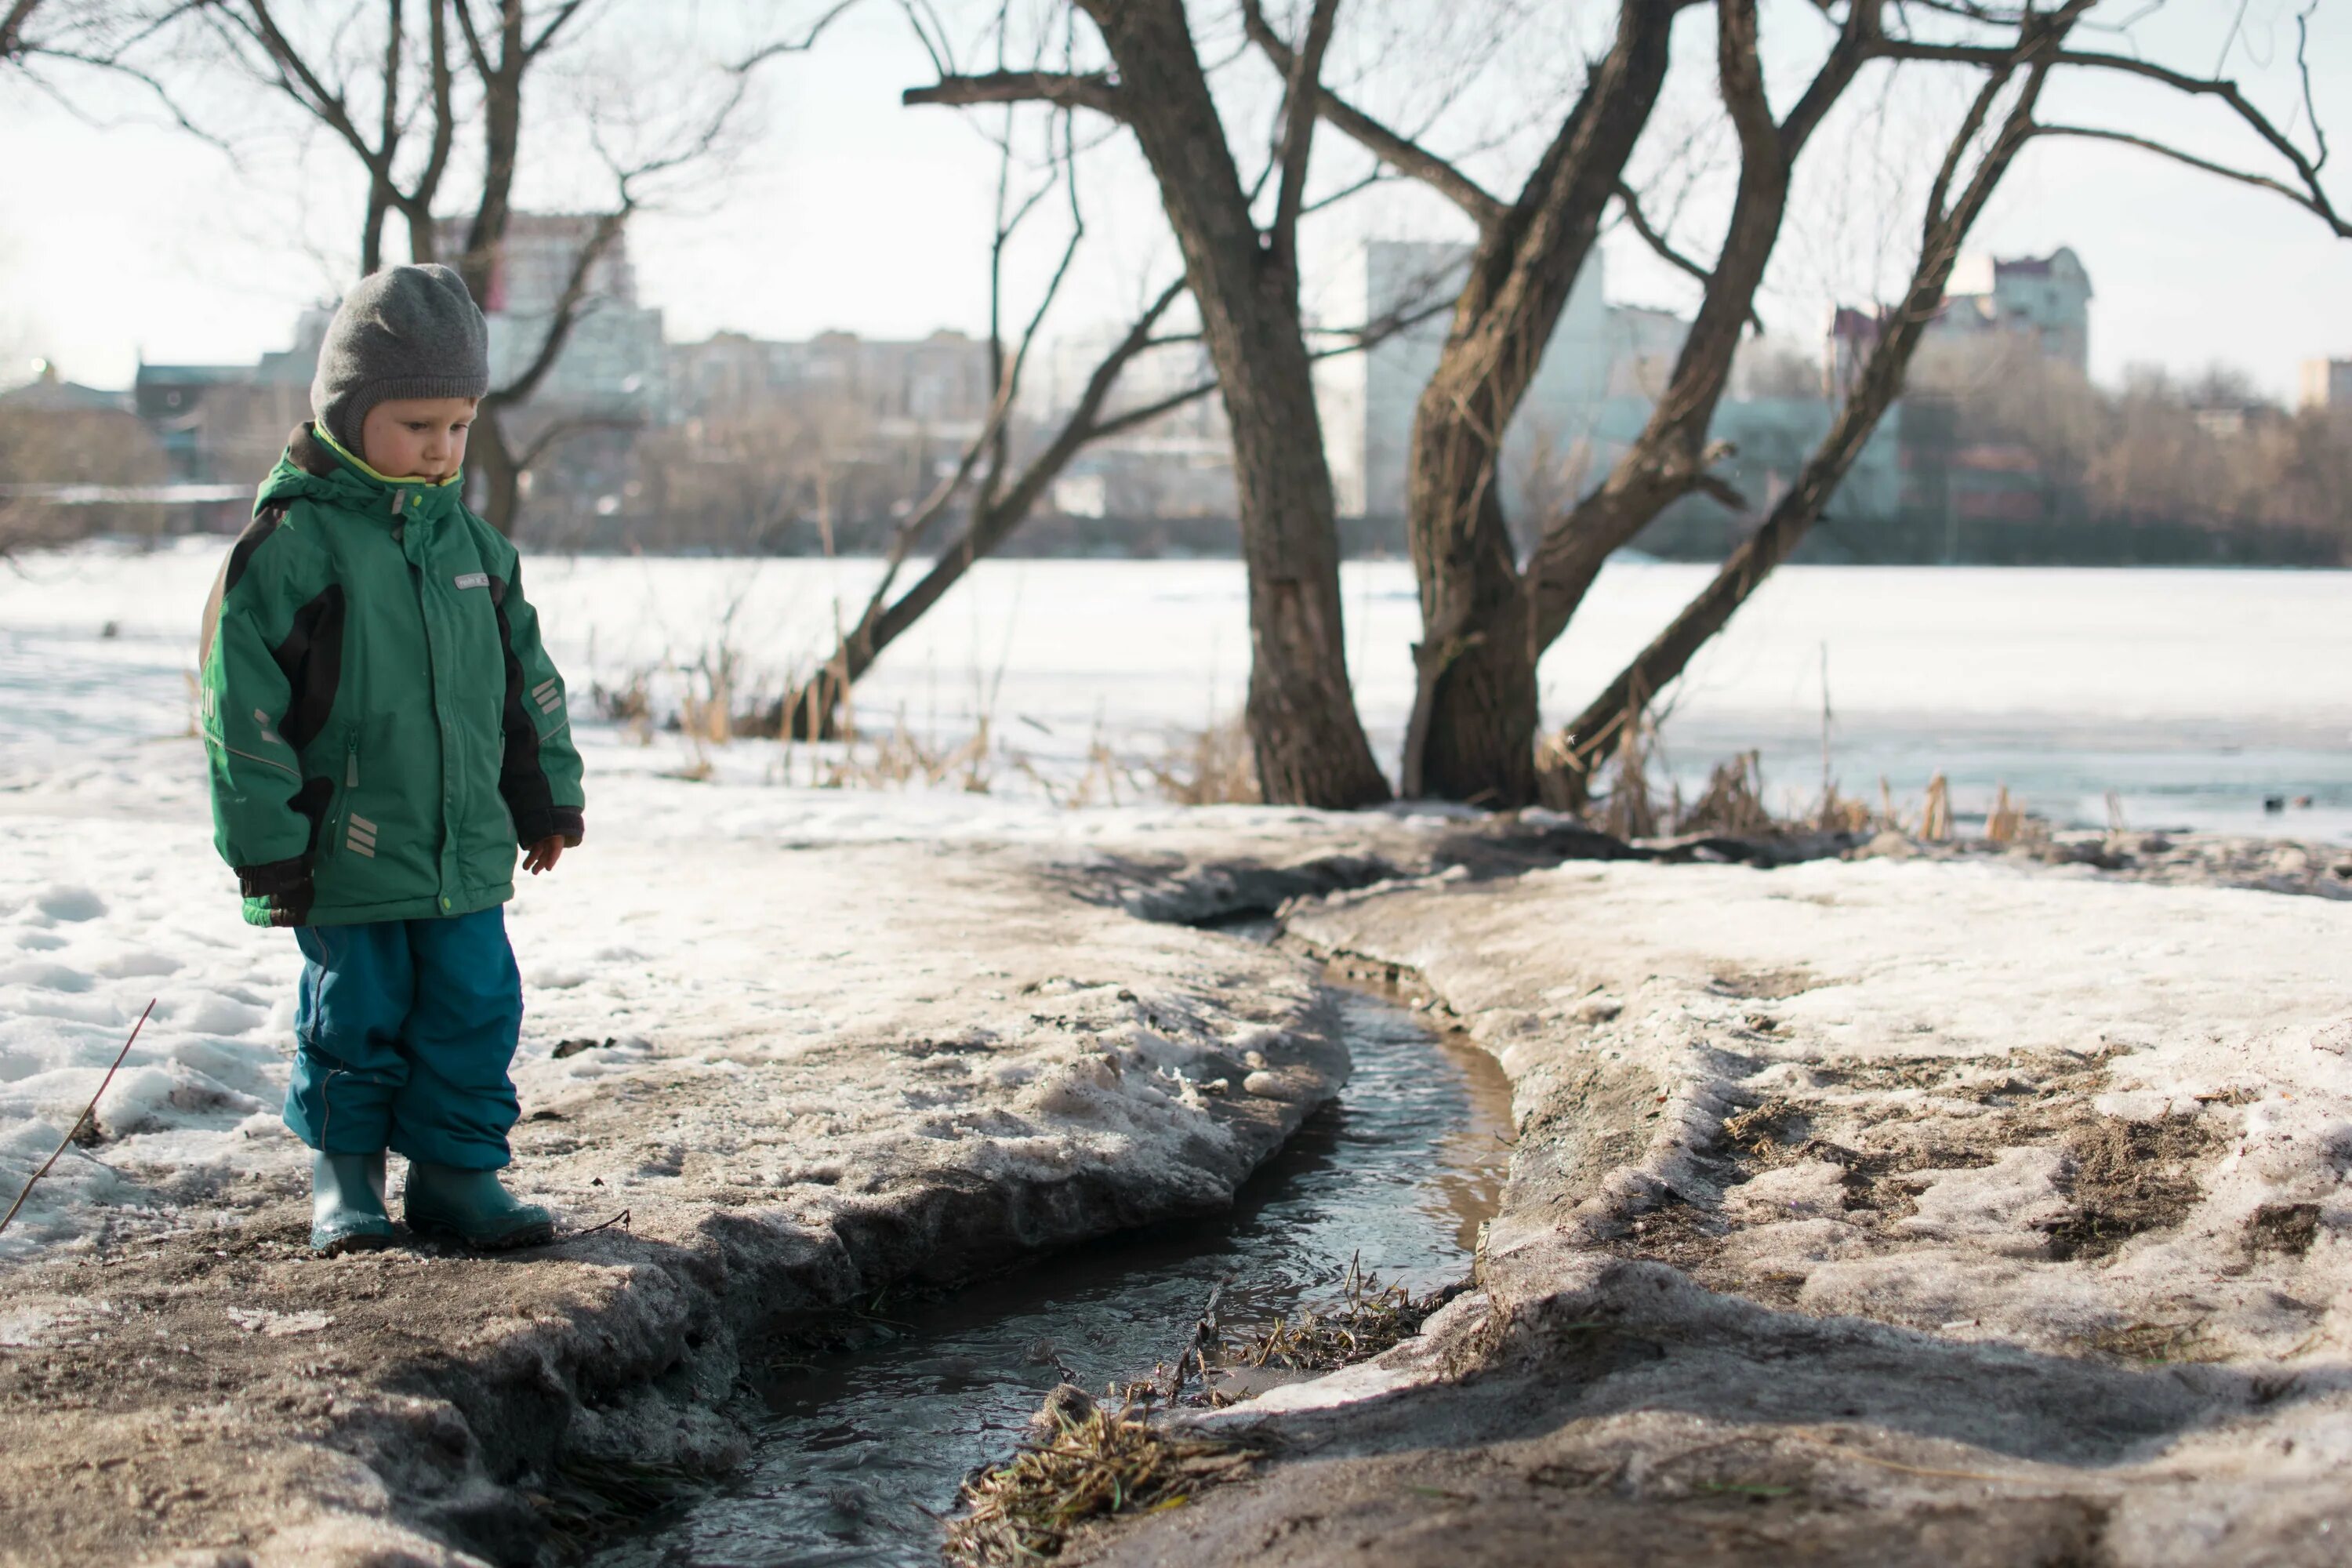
(403, 1031)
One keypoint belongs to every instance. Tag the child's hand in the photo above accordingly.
(543, 854)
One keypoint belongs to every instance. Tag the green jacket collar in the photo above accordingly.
(314, 465)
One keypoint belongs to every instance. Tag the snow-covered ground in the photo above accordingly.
(109, 893)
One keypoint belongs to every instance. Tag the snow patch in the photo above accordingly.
(64, 901)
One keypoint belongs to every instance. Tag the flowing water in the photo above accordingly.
(860, 1450)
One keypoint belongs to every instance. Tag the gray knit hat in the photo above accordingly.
(405, 331)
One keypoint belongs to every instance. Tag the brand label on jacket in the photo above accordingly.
(473, 580)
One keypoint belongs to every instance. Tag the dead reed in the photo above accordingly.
(1213, 766)
(1733, 801)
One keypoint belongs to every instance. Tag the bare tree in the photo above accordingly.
(1487, 617)
(503, 49)
(2019, 64)
(1244, 278)
(997, 494)
(1485, 620)
(1475, 682)
(318, 81)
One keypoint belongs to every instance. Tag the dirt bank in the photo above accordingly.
(1861, 1212)
(802, 1073)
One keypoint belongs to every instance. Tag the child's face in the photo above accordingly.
(416, 437)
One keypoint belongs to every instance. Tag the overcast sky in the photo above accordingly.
(842, 210)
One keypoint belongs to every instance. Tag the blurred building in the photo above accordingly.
(613, 364)
(1368, 398)
(2045, 300)
(816, 445)
(940, 383)
(75, 460)
(1598, 379)
(226, 424)
(2326, 384)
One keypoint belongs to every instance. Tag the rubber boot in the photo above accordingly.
(470, 1206)
(347, 1203)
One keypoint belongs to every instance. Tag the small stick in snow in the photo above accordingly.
(621, 1219)
(88, 1111)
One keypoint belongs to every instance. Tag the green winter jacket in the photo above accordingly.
(382, 727)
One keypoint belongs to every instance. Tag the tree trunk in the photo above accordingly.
(501, 145)
(1309, 746)
(1475, 653)
(1476, 701)
(491, 458)
(379, 206)
(423, 243)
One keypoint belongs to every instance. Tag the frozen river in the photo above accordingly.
(2193, 695)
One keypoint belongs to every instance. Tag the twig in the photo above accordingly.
(87, 1112)
(621, 1219)
(1204, 1330)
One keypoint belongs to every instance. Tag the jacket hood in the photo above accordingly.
(314, 467)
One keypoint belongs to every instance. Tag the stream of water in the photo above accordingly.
(861, 1451)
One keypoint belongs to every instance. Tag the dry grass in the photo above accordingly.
(2127, 1177)
(2156, 1344)
(630, 703)
(1215, 766)
(1372, 1318)
(586, 1503)
(1101, 1462)
(901, 758)
(1733, 801)
(1757, 1130)
(1936, 812)
(2005, 821)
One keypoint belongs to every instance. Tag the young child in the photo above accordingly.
(383, 729)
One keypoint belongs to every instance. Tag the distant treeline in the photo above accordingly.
(2008, 459)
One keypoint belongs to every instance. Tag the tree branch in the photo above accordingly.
(564, 14)
(330, 108)
(12, 27)
(1391, 147)
(799, 46)
(567, 308)
(1304, 81)
(1971, 125)
(1857, 45)
(563, 430)
(1093, 89)
(474, 49)
(418, 203)
(2315, 204)
(2307, 168)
